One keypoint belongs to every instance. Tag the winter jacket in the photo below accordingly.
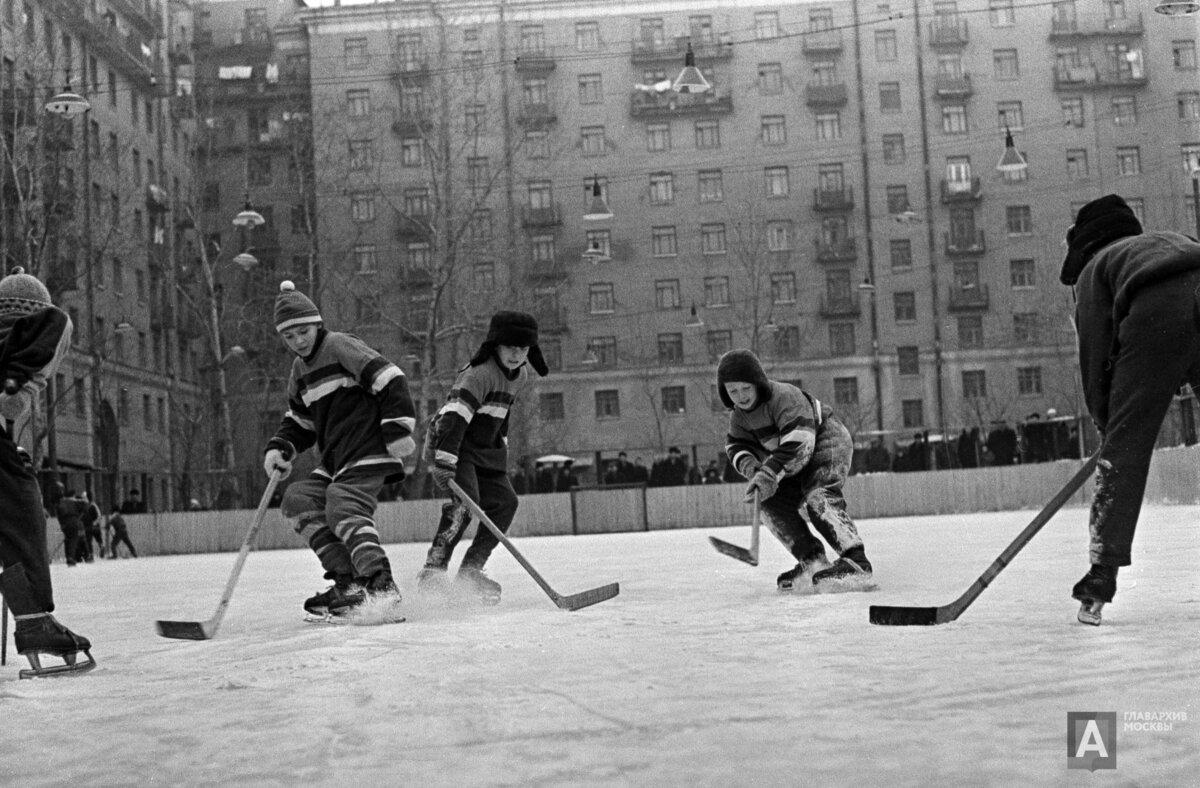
(473, 424)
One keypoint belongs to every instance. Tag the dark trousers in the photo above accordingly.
(1159, 344)
(22, 536)
(121, 536)
(493, 491)
(337, 519)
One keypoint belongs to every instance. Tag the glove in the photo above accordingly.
(747, 466)
(14, 404)
(766, 484)
(401, 447)
(277, 460)
(443, 475)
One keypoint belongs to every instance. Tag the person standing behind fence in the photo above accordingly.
(120, 533)
(90, 522)
(134, 503)
(70, 520)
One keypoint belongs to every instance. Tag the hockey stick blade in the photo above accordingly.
(183, 630)
(925, 616)
(588, 598)
(733, 551)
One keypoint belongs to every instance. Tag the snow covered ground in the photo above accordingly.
(698, 674)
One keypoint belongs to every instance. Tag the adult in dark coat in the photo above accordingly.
(70, 520)
(1137, 316)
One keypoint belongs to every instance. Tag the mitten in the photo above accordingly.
(401, 447)
(765, 482)
(443, 474)
(275, 460)
(747, 466)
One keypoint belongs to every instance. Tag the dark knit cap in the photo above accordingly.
(22, 294)
(515, 329)
(293, 308)
(1097, 224)
(742, 366)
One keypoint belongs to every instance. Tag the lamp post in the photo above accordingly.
(868, 287)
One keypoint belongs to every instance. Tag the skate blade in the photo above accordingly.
(353, 620)
(70, 667)
(846, 585)
(1089, 612)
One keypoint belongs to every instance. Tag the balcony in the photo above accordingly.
(833, 199)
(844, 250)
(948, 87)
(536, 116)
(143, 13)
(415, 279)
(407, 126)
(546, 271)
(962, 191)
(948, 31)
(541, 216)
(552, 320)
(411, 69)
(841, 306)
(673, 105)
(965, 244)
(1089, 77)
(821, 42)
(535, 60)
(259, 89)
(413, 227)
(968, 298)
(129, 52)
(1096, 25)
(649, 50)
(825, 95)
(159, 312)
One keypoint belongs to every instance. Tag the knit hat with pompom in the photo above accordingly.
(22, 294)
(293, 308)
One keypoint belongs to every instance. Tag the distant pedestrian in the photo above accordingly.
(70, 520)
(91, 529)
(120, 533)
(134, 503)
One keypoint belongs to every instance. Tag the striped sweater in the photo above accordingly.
(473, 424)
(781, 432)
(31, 348)
(350, 402)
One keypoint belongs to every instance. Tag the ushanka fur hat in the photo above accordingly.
(515, 329)
(22, 294)
(293, 308)
(1099, 223)
(741, 366)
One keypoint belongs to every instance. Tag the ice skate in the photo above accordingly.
(479, 584)
(1094, 591)
(793, 578)
(851, 572)
(432, 581)
(339, 597)
(375, 601)
(40, 633)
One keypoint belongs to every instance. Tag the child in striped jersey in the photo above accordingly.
(468, 442)
(354, 406)
(796, 453)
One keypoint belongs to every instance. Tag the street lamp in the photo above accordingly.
(868, 287)
(1176, 7)
(248, 218)
(1011, 161)
(67, 104)
(690, 80)
(246, 261)
(598, 210)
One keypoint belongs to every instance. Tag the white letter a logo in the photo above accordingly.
(1091, 741)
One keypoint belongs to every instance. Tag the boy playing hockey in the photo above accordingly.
(354, 405)
(34, 337)
(468, 443)
(795, 453)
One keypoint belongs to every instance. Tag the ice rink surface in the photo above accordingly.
(698, 674)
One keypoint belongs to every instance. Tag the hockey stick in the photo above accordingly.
(570, 602)
(740, 553)
(205, 630)
(924, 616)
(3, 632)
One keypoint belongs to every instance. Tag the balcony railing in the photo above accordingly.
(1091, 77)
(1095, 24)
(410, 69)
(818, 42)
(825, 95)
(840, 251)
(649, 50)
(407, 125)
(833, 199)
(536, 115)
(948, 31)
(541, 216)
(412, 226)
(965, 244)
(968, 298)
(847, 305)
(962, 191)
(546, 271)
(552, 320)
(144, 13)
(671, 105)
(952, 87)
(535, 60)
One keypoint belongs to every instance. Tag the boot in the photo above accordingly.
(1094, 591)
(479, 584)
(432, 580)
(853, 564)
(790, 579)
(382, 585)
(342, 595)
(40, 633)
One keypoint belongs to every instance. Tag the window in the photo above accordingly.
(1129, 161)
(551, 406)
(592, 141)
(1072, 110)
(356, 53)
(1021, 273)
(1004, 64)
(901, 254)
(719, 343)
(708, 134)
(889, 97)
(663, 241)
(1009, 115)
(1029, 381)
(954, 119)
(710, 186)
(1189, 105)
(591, 89)
(662, 188)
(1025, 327)
(364, 258)
(712, 239)
(1077, 163)
(716, 291)
(766, 24)
(775, 181)
(1001, 13)
(904, 306)
(912, 413)
(358, 103)
(829, 126)
(700, 28)
(587, 36)
(1190, 151)
(974, 384)
(600, 239)
(608, 404)
(841, 339)
(412, 152)
(779, 236)
(537, 144)
(845, 391)
(604, 349)
(1183, 54)
(774, 130)
(600, 298)
(478, 172)
(658, 137)
(908, 359)
(674, 400)
(542, 248)
(362, 154)
(1124, 110)
(783, 288)
(885, 46)
(666, 294)
(362, 207)
(483, 277)
(893, 149)
(770, 78)
(258, 169)
(787, 341)
(897, 199)
(970, 332)
(1018, 219)
(535, 92)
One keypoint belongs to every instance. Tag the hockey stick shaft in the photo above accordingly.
(3, 632)
(906, 616)
(740, 553)
(572, 602)
(204, 630)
